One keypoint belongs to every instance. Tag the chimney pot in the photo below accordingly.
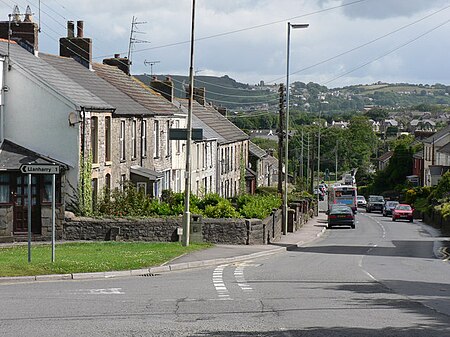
(70, 29)
(116, 56)
(80, 28)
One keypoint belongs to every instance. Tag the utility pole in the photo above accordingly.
(280, 138)
(301, 162)
(308, 169)
(337, 142)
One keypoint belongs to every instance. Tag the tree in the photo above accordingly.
(377, 114)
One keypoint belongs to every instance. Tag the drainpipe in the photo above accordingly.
(142, 141)
(83, 151)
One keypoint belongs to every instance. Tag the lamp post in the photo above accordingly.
(318, 155)
(187, 187)
(286, 152)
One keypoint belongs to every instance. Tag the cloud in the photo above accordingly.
(383, 9)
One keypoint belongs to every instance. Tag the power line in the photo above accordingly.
(248, 28)
(390, 52)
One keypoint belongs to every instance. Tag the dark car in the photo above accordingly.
(389, 207)
(403, 211)
(340, 215)
(375, 203)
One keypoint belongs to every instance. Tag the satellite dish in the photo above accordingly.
(73, 118)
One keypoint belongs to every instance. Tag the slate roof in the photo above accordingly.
(227, 130)
(256, 150)
(12, 156)
(53, 78)
(385, 156)
(438, 135)
(136, 90)
(90, 81)
(445, 149)
(208, 133)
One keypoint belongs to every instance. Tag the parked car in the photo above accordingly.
(389, 207)
(403, 211)
(361, 201)
(375, 203)
(340, 215)
(321, 194)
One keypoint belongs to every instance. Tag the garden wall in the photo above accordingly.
(436, 220)
(219, 231)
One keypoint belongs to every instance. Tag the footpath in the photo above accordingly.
(219, 254)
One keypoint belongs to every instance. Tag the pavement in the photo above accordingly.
(219, 254)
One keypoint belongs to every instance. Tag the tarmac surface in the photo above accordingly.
(218, 254)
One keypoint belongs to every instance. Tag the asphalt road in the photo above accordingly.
(383, 278)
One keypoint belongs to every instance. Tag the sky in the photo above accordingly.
(348, 42)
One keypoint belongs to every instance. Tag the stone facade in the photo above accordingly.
(6, 221)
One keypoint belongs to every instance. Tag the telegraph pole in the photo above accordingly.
(301, 161)
(280, 138)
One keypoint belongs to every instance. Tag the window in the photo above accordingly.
(205, 156)
(156, 139)
(144, 138)
(107, 138)
(142, 187)
(168, 141)
(94, 139)
(198, 157)
(108, 183)
(94, 192)
(122, 140)
(178, 142)
(123, 179)
(133, 140)
(47, 190)
(4, 188)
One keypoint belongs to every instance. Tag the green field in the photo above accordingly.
(89, 257)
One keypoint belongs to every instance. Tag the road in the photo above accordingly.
(383, 278)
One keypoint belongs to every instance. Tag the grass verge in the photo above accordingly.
(89, 257)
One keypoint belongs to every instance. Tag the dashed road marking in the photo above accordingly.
(221, 289)
(240, 279)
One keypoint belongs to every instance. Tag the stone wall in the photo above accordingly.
(219, 231)
(6, 220)
(436, 219)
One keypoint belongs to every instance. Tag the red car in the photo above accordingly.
(403, 211)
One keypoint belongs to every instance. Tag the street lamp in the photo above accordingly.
(187, 186)
(318, 155)
(286, 153)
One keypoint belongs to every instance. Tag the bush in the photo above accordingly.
(259, 206)
(224, 209)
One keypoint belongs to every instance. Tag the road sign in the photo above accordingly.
(181, 134)
(39, 169)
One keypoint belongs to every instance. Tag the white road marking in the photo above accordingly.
(106, 291)
(221, 289)
(240, 279)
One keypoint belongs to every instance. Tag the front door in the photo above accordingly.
(20, 202)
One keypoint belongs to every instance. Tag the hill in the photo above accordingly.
(221, 91)
(227, 92)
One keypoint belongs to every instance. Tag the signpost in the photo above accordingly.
(30, 169)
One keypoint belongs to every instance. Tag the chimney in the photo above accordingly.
(123, 63)
(25, 32)
(16, 14)
(28, 15)
(199, 95)
(222, 110)
(70, 29)
(79, 47)
(165, 88)
(80, 28)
